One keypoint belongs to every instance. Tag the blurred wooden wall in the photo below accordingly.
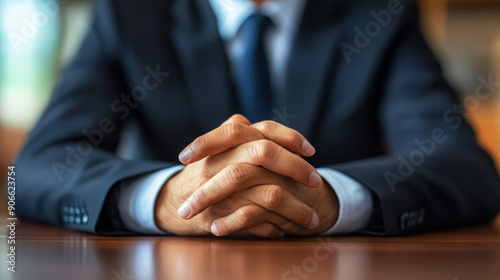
(434, 22)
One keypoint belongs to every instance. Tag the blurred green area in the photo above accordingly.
(28, 40)
(36, 38)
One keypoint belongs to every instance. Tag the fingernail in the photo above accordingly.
(185, 155)
(315, 179)
(185, 210)
(308, 148)
(314, 221)
(213, 228)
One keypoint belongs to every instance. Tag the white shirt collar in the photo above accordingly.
(231, 14)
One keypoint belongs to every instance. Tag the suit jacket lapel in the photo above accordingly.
(202, 57)
(311, 64)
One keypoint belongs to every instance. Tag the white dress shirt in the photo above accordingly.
(136, 197)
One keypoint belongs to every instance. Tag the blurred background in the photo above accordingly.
(38, 37)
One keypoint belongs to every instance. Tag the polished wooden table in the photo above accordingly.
(44, 252)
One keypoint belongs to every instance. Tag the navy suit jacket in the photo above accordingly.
(365, 89)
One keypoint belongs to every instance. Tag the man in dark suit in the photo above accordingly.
(347, 87)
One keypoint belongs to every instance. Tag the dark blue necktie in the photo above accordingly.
(254, 86)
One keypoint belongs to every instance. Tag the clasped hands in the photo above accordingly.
(247, 179)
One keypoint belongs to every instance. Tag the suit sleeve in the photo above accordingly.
(434, 174)
(69, 164)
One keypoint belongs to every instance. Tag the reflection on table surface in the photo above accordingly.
(44, 252)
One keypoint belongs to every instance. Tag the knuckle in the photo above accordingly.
(200, 196)
(239, 118)
(273, 197)
(245, 216)
(234, 174)
(222, 227)
(199, 142)
(298, 166)
(296, 138)
(266, 125)
(233, 130)
(264, 150)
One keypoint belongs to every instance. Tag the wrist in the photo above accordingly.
(173, 193)
(328, 209)
(166, 217)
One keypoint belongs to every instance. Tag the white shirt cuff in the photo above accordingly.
(137, 198)
(355, 202)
